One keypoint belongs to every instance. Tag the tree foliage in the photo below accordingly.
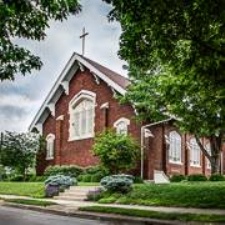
(117, 152)
(27, 19)
(175, 50)
(18, 150)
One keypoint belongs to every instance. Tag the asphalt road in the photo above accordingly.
(13, 216)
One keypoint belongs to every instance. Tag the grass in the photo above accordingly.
(30, 202)
(187, 194)
(88, 184)
(31, 189)
(154, 214)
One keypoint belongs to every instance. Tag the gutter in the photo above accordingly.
(142, 140)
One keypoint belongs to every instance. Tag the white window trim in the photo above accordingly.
(171, 161)
(83, 94)
(124, 120)
(190, 148)
(50, 136)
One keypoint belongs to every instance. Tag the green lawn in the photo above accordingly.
(155, 215)
(32, 189)
(188, 194)
(30, 202)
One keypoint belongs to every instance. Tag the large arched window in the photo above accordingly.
(195, 153)
(174, 147)
(50, 146)
(82, 112)
(121, 126)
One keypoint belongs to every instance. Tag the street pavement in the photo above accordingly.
(14, 216)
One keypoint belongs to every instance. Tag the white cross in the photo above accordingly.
(83, 36)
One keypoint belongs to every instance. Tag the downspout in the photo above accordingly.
(142, 141)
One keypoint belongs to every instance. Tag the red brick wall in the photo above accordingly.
(157, 155)
(79, 152)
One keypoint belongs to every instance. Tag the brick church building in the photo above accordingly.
(82, 103)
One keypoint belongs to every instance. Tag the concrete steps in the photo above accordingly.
(76, 193)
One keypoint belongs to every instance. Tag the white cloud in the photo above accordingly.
(21, 99)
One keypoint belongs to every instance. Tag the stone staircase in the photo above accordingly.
(76, 193)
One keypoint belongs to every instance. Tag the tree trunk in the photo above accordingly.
(215, 155)
(215, 164)
(216, 149)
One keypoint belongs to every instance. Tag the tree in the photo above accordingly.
(175, 50)
(27, 19)
(117, 152)
(18, 151)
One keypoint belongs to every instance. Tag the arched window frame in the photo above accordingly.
(175, 148)
(50, 146)
(74, 103)
(121, 126)
(195, 153)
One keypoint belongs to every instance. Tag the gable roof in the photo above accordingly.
(117, 78)
(76, 62)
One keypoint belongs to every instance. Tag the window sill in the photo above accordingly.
(176, 163)
(49, 158)
(197, 166)
(81, 138)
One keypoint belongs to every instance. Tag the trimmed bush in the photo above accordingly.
(197, 177)
(58, 183)
(96, 177)
(80, 177)
(17, 178)
(138, 180)
(118, 183)
(72, 171)
(86, 178)
(177, 178)
(61, 180)
(217, 177)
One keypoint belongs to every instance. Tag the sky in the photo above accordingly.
(21, 99)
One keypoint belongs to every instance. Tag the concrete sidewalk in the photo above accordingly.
(72, 206)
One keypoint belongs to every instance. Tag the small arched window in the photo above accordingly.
(195, 153)
(121, 126)
(50, 146)
(82, 112)
(174, 147)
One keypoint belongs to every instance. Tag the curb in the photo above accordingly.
(117, 219)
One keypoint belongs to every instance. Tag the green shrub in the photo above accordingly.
(92, 170)
(17, 178)
(80, 177)
(60, 180)
(72, 170)
(177, 178)
(117, 183)
(217, 177)
(96, 177)
(197, 177)
(86, 178)
(117, 152)
(138, 180)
